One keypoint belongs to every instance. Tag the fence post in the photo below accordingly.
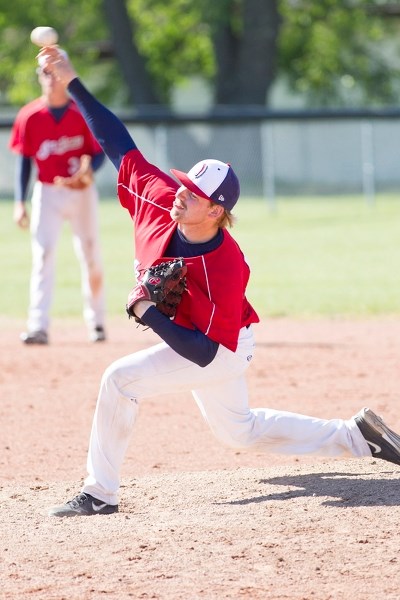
(268, 164)
(161, 147)
(368, 166)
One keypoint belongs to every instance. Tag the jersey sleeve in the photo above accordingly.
(19, 142)
(142, 186)
(15, 142)
(91, 145)
(147, 193)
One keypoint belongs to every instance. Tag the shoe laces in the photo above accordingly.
(78, 500)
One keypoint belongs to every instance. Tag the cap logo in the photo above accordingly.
(202, 171)
(221, 198)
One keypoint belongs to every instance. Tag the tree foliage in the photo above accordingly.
(339, 51)
(175, 39)
(136, 51)
(78, 23)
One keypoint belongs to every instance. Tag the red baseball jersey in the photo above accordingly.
(55, 146)
(215, 301)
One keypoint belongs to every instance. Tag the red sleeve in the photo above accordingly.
(147, 193)
(91, 145)
(142, 185)
(15, 142)
(19, 142)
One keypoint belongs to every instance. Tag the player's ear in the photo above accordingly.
(216, 211)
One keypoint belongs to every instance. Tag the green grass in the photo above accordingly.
(311, 257)
(325, 257)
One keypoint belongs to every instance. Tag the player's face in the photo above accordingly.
(188, 208)
(52, 89)
(48, 82)
(44, 77)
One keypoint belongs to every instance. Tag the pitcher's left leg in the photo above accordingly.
(273, 431)
(225, 406)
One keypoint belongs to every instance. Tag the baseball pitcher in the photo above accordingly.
(187, 259)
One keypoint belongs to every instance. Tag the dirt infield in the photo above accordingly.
(196, 520)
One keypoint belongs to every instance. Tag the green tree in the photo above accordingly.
(339, 52)
(78, 24)
(231, 43)
(245, 36)
(134, 52)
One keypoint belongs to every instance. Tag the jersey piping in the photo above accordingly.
(142, 197)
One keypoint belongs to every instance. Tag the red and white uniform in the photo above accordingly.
(56, 146)
(215, 302)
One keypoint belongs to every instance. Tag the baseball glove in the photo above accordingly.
(81, 179)
(162, 284)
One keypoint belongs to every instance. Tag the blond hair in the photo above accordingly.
(227, 219)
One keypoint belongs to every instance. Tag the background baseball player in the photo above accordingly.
(51, 133)
(208, 346)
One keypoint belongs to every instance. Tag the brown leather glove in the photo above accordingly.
(81, 179)
(163, 284)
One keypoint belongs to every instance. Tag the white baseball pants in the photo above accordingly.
(221, 393)
(51, 206)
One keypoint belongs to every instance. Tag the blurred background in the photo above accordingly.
(301, 96)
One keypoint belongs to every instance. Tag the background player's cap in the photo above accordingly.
(212, 179)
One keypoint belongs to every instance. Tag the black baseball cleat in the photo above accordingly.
(382, 441)
(34, 337)
(83, 505)
(97, 334)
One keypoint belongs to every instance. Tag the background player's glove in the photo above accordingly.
(162, 284)
(81, 179)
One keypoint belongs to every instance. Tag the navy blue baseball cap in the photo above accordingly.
(213, 180)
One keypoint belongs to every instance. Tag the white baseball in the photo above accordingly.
(44, 36)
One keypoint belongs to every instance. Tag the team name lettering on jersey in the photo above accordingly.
(60, 146)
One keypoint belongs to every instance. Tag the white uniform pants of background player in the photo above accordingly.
(221, 393)
(51, 206)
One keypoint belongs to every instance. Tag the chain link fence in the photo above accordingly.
(273, 156)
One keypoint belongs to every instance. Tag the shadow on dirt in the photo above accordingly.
(339, 489)
(311, 345)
